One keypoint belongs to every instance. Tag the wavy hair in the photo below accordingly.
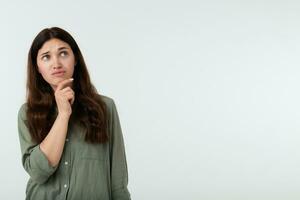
(88, 108)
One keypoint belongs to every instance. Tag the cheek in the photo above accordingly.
(70, 65)
(72, 69)
(40, 67)
(42, 70)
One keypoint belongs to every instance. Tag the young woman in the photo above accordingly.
(71, 139)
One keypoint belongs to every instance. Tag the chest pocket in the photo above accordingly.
(86, 150)
(93, 151)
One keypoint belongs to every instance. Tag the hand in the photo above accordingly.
(64, 97)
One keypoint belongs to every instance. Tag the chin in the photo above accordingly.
(54, 83)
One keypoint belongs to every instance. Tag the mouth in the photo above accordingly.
(58, 73)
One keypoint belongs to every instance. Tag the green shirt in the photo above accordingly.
(85, 171)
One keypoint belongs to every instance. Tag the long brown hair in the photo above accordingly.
(88, 108)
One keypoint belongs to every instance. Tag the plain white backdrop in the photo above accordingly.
(207, 91)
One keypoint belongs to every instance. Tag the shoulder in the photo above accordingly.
(22, 111)
(111, 107)
(110, 103)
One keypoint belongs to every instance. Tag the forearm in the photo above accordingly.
(53, 144)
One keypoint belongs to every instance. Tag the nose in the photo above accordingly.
(56, 63)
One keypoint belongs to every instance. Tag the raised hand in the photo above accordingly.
(64, 97)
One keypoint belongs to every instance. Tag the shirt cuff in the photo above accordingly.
(41, 168)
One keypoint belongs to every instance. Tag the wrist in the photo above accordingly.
(63, 116)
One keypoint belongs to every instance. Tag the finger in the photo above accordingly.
(63, 83)
(69, 94)
(66, 89)
(70, 97)
(72, 100)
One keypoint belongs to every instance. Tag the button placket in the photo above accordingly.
(66, 163)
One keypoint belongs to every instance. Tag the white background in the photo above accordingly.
(207, 91)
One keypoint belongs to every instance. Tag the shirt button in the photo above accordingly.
(66, 163)
(67, 140)
(65, 185)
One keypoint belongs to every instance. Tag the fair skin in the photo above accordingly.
(56, 63)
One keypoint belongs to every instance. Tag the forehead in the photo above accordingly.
(53, 45)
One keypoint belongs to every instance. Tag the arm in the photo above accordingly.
(41, 160)
(119, 173)
(34, 160)
(53, 144)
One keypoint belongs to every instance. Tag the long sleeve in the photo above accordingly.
(33, 159)
(119, 172)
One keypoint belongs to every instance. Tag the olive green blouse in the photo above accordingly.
(85, 172)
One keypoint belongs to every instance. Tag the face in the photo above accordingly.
(55, 61)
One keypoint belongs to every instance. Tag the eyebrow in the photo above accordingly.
(60, 48)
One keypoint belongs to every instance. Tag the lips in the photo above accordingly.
(58, 73)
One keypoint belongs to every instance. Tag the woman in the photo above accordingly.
(71, 139)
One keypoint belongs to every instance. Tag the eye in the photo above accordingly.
(63, 53)
(45, 57)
